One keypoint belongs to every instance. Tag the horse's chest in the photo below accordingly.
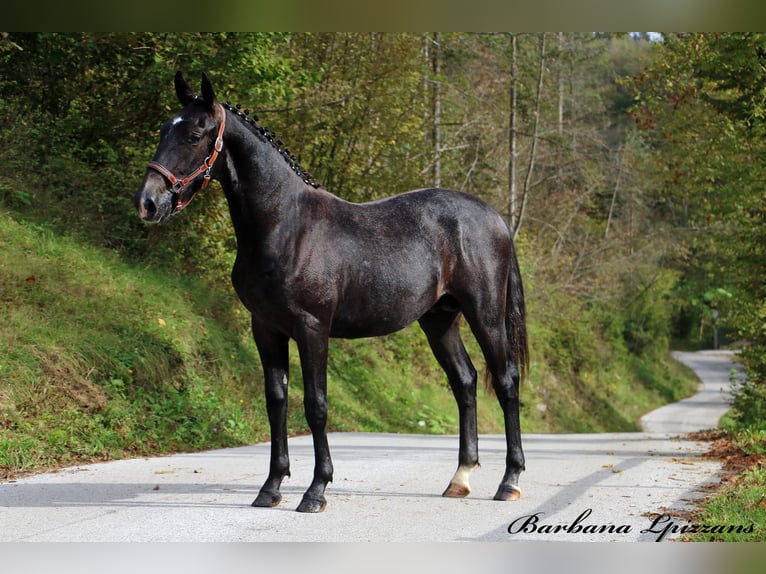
(256, 284)
(275, 295)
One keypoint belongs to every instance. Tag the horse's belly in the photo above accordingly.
(342, 330)
(371, 319)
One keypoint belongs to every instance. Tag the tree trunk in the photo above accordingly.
(512, 135)
(433, 56)
(560, 126)
(614, 193)
(535, 139)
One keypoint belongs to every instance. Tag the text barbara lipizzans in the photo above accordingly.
(661, 526)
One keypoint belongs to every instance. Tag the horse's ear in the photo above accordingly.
(207, 92)
(183, 91)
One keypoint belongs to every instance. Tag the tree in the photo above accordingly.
(88, 108)
(532, 123)
(355, 114)
(703, 123)
(432, 48)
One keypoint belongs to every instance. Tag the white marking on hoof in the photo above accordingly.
(459, 486)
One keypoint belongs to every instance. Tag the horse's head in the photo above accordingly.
(189, 145)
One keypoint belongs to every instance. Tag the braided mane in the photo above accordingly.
(251, 121)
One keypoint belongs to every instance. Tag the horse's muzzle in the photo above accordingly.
(153, 202)
(145, 206)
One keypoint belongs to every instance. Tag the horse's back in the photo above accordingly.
(436, 202)
(422, 215)
(396, 257)
(468, 228)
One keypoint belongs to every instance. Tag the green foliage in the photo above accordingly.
(646, 311)
(737, 505)
(599, 366)
(88, 107)
(748, 402)
(701, 108)
(100, 360)
(704, 121)
(355, 114)
(743, 500)
(81, 115)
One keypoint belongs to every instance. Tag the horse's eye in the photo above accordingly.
(194, 138)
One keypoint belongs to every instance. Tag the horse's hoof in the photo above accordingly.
(504, 492)
(456, 491)
(312, 505)
(267, 499)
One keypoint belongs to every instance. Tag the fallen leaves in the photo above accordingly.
(681, 461)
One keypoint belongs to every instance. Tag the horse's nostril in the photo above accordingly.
(150, 206)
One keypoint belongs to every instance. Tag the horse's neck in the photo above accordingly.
(258, 183)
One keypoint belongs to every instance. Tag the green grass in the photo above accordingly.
(99, 359)
(583, 381)
(738, 510)
(102, 359)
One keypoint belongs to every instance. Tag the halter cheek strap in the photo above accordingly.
(180, 185)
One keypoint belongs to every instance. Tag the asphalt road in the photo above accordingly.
(596, 487)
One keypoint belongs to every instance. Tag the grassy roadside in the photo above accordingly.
(101, 359)
(736, 511)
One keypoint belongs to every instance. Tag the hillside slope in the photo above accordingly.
(103, 359)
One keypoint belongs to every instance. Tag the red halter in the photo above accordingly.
(180, 185)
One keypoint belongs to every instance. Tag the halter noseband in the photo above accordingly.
(180, 185)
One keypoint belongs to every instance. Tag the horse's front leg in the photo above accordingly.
(273, 350)
(312, 342)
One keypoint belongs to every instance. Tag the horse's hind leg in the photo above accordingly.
(493, 340)
(273, 350)
(443, 333)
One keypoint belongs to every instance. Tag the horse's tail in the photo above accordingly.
(516, 319)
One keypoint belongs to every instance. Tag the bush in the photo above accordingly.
(647, 312)
(749, 394)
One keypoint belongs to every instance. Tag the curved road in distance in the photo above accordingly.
(387, 487)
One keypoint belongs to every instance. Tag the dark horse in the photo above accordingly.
(311, 266)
